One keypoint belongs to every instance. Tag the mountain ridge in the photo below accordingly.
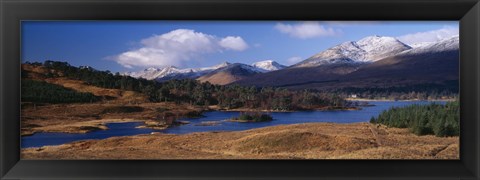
(433, 62)
(367, 49)
(172, 72)
(338, 63)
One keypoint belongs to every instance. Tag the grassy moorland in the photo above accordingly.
(299, 141)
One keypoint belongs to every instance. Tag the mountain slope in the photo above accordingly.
(229, 74)
(368, 49)
(302, 75)
(433, 63)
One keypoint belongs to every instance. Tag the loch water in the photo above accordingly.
(216, 121)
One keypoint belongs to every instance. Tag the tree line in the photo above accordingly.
(436, 119)
(447, 89)
(42, 92)
(197, 93)
(235, 96)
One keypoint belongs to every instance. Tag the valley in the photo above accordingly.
(320, 107)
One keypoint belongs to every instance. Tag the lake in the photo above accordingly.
(218, 123)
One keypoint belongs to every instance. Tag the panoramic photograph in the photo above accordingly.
(182, 90)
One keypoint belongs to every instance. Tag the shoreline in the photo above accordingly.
(294, 141)
(100, 124)
(407, 100)
(191, 133)
(77, 127)
(83, 127)
(274, 111)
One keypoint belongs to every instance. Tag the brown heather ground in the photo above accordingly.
(299, 141)
(81, 118)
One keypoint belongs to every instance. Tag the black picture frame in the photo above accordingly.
(14, 11)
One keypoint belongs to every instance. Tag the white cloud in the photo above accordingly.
(294, 60)
(306, 30)
(429, 36)
(234, 43)
(178, 48)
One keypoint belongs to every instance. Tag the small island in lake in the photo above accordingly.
(252, 117)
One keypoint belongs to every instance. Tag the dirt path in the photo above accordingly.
(374, 131)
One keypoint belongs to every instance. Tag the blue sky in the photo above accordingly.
(121, 46)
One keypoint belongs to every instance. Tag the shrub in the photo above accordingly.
(161, 109)
(122, 109)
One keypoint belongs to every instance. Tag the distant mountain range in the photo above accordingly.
(371, 61)
(172, 72)
(431, 63)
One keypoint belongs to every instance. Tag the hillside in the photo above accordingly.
(41, 73)
(78, 113)
(289, 77)
(229, 74)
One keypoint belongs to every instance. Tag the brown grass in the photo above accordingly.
(299, 141)
(63, 117)
(220, 78)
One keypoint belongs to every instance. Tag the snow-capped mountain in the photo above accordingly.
(171, 71)
(368, 62)
(343, 59)
(447, 44)
(268, 65)
(420, 44)
(368, 49)
(432, 62)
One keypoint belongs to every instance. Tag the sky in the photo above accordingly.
(121, 46)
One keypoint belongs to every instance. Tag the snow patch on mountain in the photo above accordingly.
(420, 44)
(368, 49)
(449, 44)
(159, 73)
(172, 72)
(246, 67)
(268, 65)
